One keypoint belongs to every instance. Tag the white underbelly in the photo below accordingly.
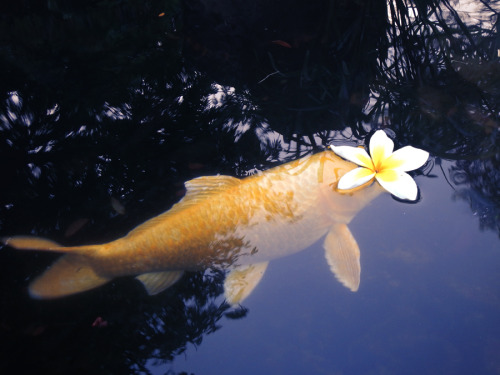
(275, 238)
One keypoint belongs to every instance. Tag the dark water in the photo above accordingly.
(107, 108)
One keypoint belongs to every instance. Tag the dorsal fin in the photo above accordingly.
(197, 190)
(202, 187)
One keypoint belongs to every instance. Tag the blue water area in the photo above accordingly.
(428, 301)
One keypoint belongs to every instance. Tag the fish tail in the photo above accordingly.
(70, 274)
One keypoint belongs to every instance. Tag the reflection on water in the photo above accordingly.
(420, 310)
(477, 182)
(123, 102)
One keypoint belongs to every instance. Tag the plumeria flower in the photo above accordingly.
(387, 167)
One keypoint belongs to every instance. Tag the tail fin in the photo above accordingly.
(72, 273)
(31, 243)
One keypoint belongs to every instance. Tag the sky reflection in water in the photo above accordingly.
(428, 301)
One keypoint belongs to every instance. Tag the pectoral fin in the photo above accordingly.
(342, 254)
(241, 281)
(156, 282)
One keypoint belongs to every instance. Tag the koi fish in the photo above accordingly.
(222, 221)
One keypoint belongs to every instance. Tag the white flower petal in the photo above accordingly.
(355, 178)
(398, 183)
(406, 159)
(356, 155)
(381, 147)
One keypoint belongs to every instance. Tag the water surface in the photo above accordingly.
(107, 108)
(428, 301)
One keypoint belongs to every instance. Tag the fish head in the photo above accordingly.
(343, 205)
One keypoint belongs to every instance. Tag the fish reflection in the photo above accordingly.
(222, 221)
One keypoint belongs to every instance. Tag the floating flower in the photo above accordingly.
(387, 167)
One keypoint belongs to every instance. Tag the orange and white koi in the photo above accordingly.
(222, 221)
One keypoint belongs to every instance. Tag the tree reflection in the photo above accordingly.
(127, 100)
(439, 87)
(134, 331)
(478, 183)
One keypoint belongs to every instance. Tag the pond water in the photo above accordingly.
(428, 301)
(108, 108)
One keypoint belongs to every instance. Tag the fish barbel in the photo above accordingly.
(223, 221)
